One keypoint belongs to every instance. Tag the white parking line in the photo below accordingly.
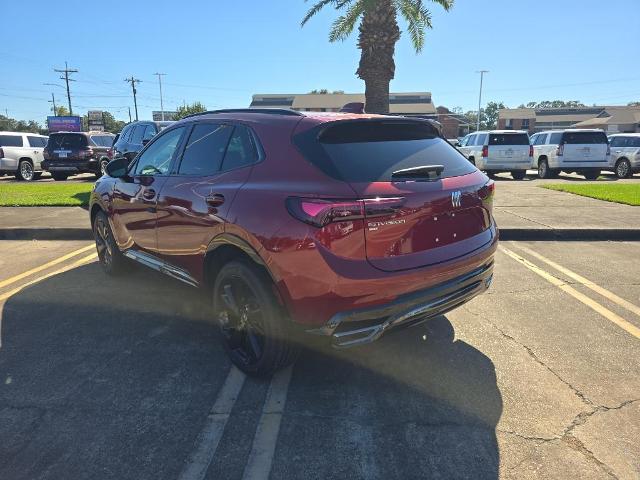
(209, 438)
(264, 443)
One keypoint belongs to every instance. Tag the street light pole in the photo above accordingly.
(481, 72)
(160, 83)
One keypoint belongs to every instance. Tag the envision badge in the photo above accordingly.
(456, 198)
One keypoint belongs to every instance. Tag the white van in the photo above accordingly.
(498, 151)
(21, 154)
(584, 151)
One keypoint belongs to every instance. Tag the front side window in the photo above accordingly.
(205, 149)
(470, 140)
(37, 142)
(617, 142)
(541, 140)
(241, 151)
(138, 133)
(149, 132)
(156, 159)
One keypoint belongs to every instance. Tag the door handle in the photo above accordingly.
(149, 194)
(214, 200)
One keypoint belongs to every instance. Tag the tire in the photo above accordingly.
(25, 171)
(255, 330)
(518, 174)
(623, 168)
(543, 169)
(60, 176)
(109, 256)
(591, 174)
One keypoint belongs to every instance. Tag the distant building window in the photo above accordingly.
(508, 124)
(525, 124)
(272, 102)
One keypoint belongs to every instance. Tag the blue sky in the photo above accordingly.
(222, 52)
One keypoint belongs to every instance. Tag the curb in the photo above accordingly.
(46, 234)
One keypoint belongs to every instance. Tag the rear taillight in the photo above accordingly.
(486, 194)
(560, 150)
(531, 150)
(320, 212)
(485, 151)
(86, 152)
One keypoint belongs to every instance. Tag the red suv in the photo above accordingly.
(343, 225)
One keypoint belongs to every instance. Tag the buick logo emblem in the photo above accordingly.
(456, 198)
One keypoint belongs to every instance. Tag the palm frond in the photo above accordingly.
(344, 24)
(338, 4)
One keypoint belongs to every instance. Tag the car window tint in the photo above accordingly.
(633, 142)
(470, 140)
(102, 140)
(205, 149)
(11, 141)
(581, 138)
(241, 151)
(37, 142)
(156, 159)
(617, 141)
(555, 138)
(138, 133)
(482, 139)
(67, 141)
(508, 139)
(149, 132)
(125, 135)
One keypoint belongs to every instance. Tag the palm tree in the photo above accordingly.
(378, 35)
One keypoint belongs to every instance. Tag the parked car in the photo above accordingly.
(21, 154)
(70, 153)
(136, 135)
(584, 151)
(625, 153)
(498, 151)
(342, 225)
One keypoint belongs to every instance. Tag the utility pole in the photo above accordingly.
(53, 101)
(160, 83)
(481, 72)
(133, 82)
(129, 114)
(66, 78)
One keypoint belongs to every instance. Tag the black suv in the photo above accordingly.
(136, 135)
(70, 153)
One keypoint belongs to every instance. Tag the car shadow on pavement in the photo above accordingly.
(106, 377)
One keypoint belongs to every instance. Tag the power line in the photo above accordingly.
(66, 70)
(133, 82)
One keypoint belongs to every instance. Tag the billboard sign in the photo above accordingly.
(156, 115)
(64, 124)
(95, 120)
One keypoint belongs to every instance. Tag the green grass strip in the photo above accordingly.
(627, 193)
(45, 194)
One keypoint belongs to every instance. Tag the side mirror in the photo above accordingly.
(457, 144)
(117, 168)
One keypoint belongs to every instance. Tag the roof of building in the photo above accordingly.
(614, 116)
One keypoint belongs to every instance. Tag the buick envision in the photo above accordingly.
(342, 225)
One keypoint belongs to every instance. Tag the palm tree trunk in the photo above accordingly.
(379, 33)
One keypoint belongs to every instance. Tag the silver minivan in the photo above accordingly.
(584, 151)
(496, 151)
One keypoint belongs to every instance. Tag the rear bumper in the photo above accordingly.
(361, 326)
(91, 165)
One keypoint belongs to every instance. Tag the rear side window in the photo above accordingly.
(584, 137)
(370, 151)
(555, 138)
(102, 140)
(11, 141)
(37, 142)
(508, 139)
(67, 141)
(241, 151)
(205, 149)
(126, 133)
(482, 139)
(138, 133)
(149, 132)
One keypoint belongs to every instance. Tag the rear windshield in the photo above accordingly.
(508, 139)
(584, 137)
(67, 141)
(369, 151)
(102, 140)
(10, 140)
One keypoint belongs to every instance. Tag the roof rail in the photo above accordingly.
(271, 111)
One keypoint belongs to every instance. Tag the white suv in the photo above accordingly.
(625, 153)
(21, 154)
(584, 151)
(497, 151)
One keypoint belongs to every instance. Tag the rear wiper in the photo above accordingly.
(427, 172)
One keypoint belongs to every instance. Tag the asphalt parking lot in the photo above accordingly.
(105, 378)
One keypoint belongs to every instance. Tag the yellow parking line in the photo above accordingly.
(79, 263)
(50, 264)
(587, 283)
(605, 312)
